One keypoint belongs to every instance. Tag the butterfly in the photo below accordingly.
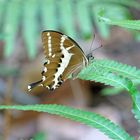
(63, 56)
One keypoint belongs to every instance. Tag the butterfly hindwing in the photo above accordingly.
(63, 58)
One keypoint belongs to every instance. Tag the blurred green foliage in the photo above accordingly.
(8, 71)
(40, 136)
(74, 17)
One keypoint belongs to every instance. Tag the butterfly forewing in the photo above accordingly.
(63, 58)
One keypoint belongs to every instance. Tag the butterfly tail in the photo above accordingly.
(33, 85)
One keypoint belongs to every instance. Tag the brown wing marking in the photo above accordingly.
(51, 40)
(77, 62)
(52, 49)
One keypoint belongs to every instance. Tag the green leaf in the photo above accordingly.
(48, 14)
(3, 5)
(130, 72)
(131, 24)
(136, 35)
(39, 136)
(64, 15)
(83, 18)
(118, 11)
(108, 76)
(10, 25)
(111, 91)
(91, 119)
(102, 27)
(30, 27)
(95, 71)
(8, 71)
(135, 4)
(129, 3)
(136, 103)
(105, 78)
(67, 17)
(2, 9)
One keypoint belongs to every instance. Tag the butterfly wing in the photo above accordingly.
(63, 58)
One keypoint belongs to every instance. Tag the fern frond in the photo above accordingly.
(100, 74)
(2, 8)
(129, 3)
(118, 11)
(91, 119)
(135, 96)
(30, 26)
(67, 22)
(40, 136)
(103, 28)
(8, 71)
(130, 24)
(113, 91)
(107, 76)
(84, 18)
(63, 15)
(125, 70)
(136, 35)
(136, 103)
(10, 25)
(48, 14)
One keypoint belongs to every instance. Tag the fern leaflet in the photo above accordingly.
(121, 69)
(103, 72)
(91, 119)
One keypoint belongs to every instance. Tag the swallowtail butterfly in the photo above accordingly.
(64, 57)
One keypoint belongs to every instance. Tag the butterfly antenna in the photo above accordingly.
(90, 51)
(91, 44)
(98, 47)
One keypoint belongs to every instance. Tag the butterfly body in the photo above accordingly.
(64, 57)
